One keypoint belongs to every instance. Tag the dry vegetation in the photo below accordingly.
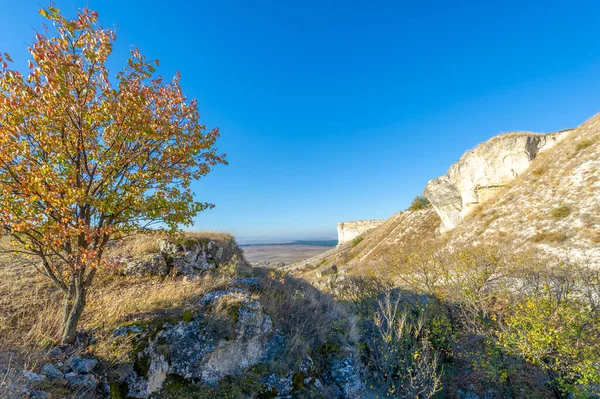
(30, 304)
(373, 246)
(515, 325)
(314, 324)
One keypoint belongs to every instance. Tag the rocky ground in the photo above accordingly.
(216, 328)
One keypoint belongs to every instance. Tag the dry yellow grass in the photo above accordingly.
(30, 306)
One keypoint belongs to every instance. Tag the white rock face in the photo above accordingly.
(349, 230)
(481, 173)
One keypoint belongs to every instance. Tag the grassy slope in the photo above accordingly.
(366, 251)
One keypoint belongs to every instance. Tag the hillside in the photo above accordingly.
(520, 191)
(371, 247)
(173, 319)
(552, 207)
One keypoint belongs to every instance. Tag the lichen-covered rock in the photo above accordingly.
(51, 371)
(81, 365)
(281, 385)
(194, 351)
(147, 265)
(87, 381)
(483, 171)
(188, 257)
(123, 331)
(32, 377)
(347, 374)
(247, 282)
(192, 260)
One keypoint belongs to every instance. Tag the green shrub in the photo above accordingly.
(561, 212)
(546, 236)
(355, 241)
(419, 202)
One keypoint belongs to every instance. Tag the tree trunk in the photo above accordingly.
(74, 304)
(67, 306)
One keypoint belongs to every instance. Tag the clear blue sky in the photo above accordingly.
(341, 110)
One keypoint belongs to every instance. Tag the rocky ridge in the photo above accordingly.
(520, 191)
(481, 173)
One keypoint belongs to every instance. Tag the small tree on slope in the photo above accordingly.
(86, 158)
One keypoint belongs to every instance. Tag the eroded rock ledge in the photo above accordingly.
(481, 173)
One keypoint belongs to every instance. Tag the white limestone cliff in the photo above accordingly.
(347, 231)
(482, 172)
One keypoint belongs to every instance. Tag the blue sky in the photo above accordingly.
(340, 110)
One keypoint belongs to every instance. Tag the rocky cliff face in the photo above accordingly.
(347, 231)
(481, 173)
(554, 206)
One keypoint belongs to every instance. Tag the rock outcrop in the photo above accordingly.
(188, 257)
(481, 173)
(197, 351)
(347, 231)
(229, 335)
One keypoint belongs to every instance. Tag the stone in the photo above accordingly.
(51, 371)
(123, 331)
(81, 365)
(248, 282)
(192, 261)
(39, 395)
(347, 375)
(281, 385)
(197, 353)
(147, 265)
(481, 173)
(462, 394)
(326, 270)
(32, 377)
(56, 353)
(213, 296)
(167, 247)
(87, 381)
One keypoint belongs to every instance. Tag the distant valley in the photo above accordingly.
(273, 254)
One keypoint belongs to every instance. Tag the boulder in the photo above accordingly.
(81, 365)
(193, 351)
(32, 377)
(281, 385)
(147, 265)
(187, 257)
(347, 374)
(326, 270)
(87, 381)
(52, 372)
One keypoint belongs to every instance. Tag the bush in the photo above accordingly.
(419, 202)
(557, 326)
(401, 354)
(561, 212)
(355, 241)
(522, 311)
(581, 144)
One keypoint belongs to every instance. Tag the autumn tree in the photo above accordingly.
(87, 156)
